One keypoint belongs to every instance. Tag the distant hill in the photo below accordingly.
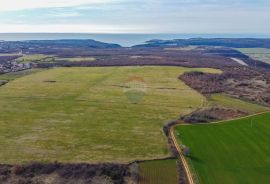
(226, 42)
(13, 46)
(73, 43)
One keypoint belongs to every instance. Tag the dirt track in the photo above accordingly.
(181, 157)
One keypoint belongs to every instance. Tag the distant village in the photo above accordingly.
(9, 63)
(13, 66)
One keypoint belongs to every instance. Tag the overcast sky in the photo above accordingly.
(136, 16)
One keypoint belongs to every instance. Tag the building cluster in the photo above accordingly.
(13, 66)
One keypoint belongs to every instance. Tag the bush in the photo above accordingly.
(186, 150)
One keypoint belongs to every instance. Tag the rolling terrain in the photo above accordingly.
(89, 114)
(86, 111)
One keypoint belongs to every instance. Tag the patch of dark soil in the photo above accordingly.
(50, 81)
(121, 86)
(3, 82)
(212, 114)
(168, 88)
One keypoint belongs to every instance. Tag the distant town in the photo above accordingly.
(14, 66)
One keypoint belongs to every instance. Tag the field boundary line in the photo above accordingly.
(181, 156)
(224, 121)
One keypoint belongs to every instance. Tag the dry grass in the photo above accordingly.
(84, 116)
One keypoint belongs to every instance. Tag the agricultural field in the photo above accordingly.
(9, 54)
(35, 58)
(92, 114)
(158, 172)
(76, 59)
(186, 48)
(233, 103)
(230, 152)
(261, 54)
(39, 58)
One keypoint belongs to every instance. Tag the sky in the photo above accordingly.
(135, 16)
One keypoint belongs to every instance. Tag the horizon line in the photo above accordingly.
(138, 33)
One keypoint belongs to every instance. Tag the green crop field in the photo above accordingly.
(261, 54)
(10, 54)
(232, 152)
(92, 114)
(229, 102)
(76, 59)
(158, 172)
(35, 58)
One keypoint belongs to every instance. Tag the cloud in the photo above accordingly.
(10, 5)
(70, 28)
(159, 16)
(65, 14)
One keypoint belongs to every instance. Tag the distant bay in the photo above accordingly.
(125, 40)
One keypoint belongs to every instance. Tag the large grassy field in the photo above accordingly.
(89, 114)
(232, 152)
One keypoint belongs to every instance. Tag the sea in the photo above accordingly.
(125, 40)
